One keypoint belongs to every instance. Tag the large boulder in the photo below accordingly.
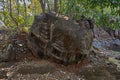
(60, 37)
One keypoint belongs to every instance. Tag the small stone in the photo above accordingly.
(118, 57)
(20, 44)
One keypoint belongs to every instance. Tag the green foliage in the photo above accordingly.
(102, 11)
(18, 13)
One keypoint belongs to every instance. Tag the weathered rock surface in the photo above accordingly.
(110, 44)
(106, 33)
(113, 33)
(61, 38)
(15, 48)
(101, 34)
(106, 38)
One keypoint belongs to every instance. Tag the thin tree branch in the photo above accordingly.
(25, 9)
(48, 5)
(42, 6)
(18, 12)
(11, 14)
(55, 5)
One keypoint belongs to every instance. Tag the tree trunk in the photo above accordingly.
(3, 19)
(55, 5)
(25, 8)
(48, 5)
(11, 14)
(42, 6)
(17, 2)
(25, 14)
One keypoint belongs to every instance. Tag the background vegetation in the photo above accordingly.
(20, 13)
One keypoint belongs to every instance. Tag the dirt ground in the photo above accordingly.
(28, 67)
(38, 70)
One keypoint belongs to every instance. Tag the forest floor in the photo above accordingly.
(27, 67)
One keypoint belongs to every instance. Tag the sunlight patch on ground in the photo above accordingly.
(115, 61)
